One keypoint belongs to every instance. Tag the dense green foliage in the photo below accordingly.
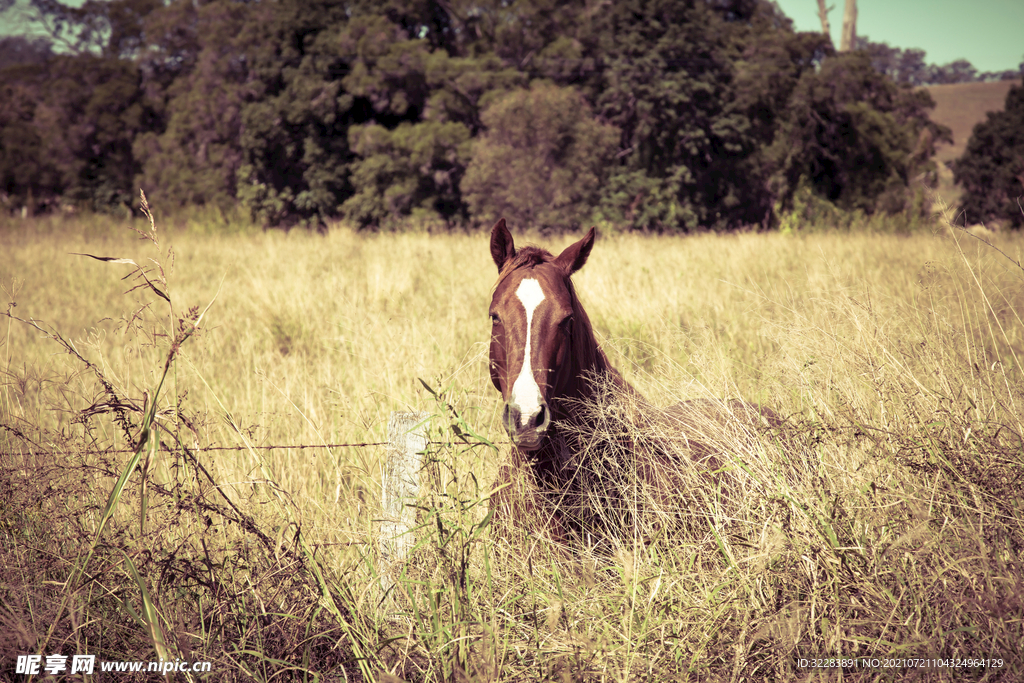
(646, 114)
(541, 143)
(855, 136)
(992, 168)
(66, 129)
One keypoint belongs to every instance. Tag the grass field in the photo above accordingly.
(961, 106)
(896, 360)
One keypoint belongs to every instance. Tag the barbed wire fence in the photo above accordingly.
(401, 468)
(165, 448)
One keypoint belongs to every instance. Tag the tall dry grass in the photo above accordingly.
(883, 521)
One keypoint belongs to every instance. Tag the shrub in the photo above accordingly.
(412, 169)
(541, 161)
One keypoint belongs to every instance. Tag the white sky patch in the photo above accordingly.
(525, 392)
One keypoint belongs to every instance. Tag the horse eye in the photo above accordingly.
(566, 323)
(495, 320)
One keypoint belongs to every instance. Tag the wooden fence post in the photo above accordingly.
(400, 485)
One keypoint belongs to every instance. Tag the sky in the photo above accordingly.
(987, 33)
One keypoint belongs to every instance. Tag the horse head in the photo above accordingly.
(541, 339)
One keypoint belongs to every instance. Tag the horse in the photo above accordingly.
(549, 368)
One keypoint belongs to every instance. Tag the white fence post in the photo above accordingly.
(400, 485)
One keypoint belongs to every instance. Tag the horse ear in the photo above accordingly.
(575, 255)
(502, 246)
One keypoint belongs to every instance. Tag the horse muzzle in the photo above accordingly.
(528, 432)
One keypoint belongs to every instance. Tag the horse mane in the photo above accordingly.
(588, 353)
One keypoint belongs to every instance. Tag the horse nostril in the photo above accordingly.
(541, 414)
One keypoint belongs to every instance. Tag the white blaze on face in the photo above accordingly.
(525, 392)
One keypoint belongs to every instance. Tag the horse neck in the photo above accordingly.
(587, 365)
(589, 368)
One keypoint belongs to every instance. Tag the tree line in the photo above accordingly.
(909, 66)
(643, 114)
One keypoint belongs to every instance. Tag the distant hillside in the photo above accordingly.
(962, 105)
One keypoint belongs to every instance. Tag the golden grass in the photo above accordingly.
(884, 521)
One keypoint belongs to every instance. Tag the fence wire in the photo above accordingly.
(167, 449)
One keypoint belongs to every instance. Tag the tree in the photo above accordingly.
(368, 119)
(848, 39)
(958, 71)
(555, 40)
(66, 128)
(541, 161)
(413, 169)
(909, 66)
(25, 174)
(196, 156)
(460, 87)
(175, 35)
(823, 16)
(15, 50)
(766, 74)
(991, 170)
(854, 136)
(678, 114)
(902, 66)
(110, 28)
(417, 167)
(321, 71)
(688, 86)
(665, 87)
